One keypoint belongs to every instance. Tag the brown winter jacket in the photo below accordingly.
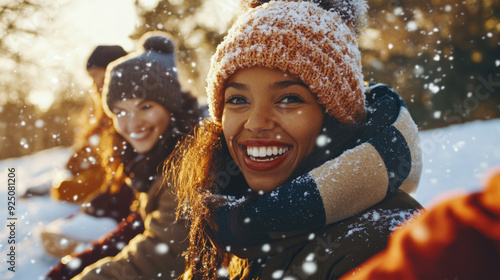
(154, 254)
(85, 166)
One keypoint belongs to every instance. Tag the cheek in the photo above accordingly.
(306, 129)
(160, 119)
(120, 126)
(228, 125)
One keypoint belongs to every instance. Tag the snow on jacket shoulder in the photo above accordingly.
(156, 253)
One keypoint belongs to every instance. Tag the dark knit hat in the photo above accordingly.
(104, 55)
(148, 73)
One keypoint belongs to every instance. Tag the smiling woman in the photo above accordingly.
(295, 158)
(151, 113)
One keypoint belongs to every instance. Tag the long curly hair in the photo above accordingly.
(190, 172)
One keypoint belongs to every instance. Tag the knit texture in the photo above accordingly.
(300, 38)
(149, 73)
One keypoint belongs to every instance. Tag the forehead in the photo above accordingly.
(128, 102)
(263, 78)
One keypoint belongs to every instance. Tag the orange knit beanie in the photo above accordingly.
(318, 45)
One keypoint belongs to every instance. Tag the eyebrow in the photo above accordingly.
(237, 86)
(277, 85)
(288, 83)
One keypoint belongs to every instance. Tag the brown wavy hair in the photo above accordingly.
(190, 171)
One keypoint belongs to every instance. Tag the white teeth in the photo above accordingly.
(262, 152)
(138, 135)
(256, 152)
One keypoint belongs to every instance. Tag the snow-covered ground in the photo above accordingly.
(455, 159)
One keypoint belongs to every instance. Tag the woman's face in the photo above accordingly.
(270, 122)
(141, 122)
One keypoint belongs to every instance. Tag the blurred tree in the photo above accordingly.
(442, 56)
(21, 21)
(24, 127)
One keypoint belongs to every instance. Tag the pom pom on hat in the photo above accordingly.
(352, 11)
(149, 73)
(316, 44)
(159, 44)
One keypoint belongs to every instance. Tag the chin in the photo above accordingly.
(142, 150)
(263, 187)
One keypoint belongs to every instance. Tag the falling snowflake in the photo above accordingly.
(266, 248)
(278, 274)
(322, 140)
(309, 267)
(161, 249)
(223, 272)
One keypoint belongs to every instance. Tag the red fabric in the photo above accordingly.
(457, 239)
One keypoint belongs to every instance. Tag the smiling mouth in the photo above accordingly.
(268, 153)
(262, 157)
(139, 134)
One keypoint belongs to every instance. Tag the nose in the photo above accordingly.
(135, 121)
(260, 119)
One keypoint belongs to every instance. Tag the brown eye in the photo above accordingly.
(291, 99)
(236, 100)
(146, 107)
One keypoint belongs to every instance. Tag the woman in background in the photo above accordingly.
(85, 165)
(150, 113)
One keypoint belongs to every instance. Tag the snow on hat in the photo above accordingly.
(315, 42)
(104, 55)
(149, 73)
